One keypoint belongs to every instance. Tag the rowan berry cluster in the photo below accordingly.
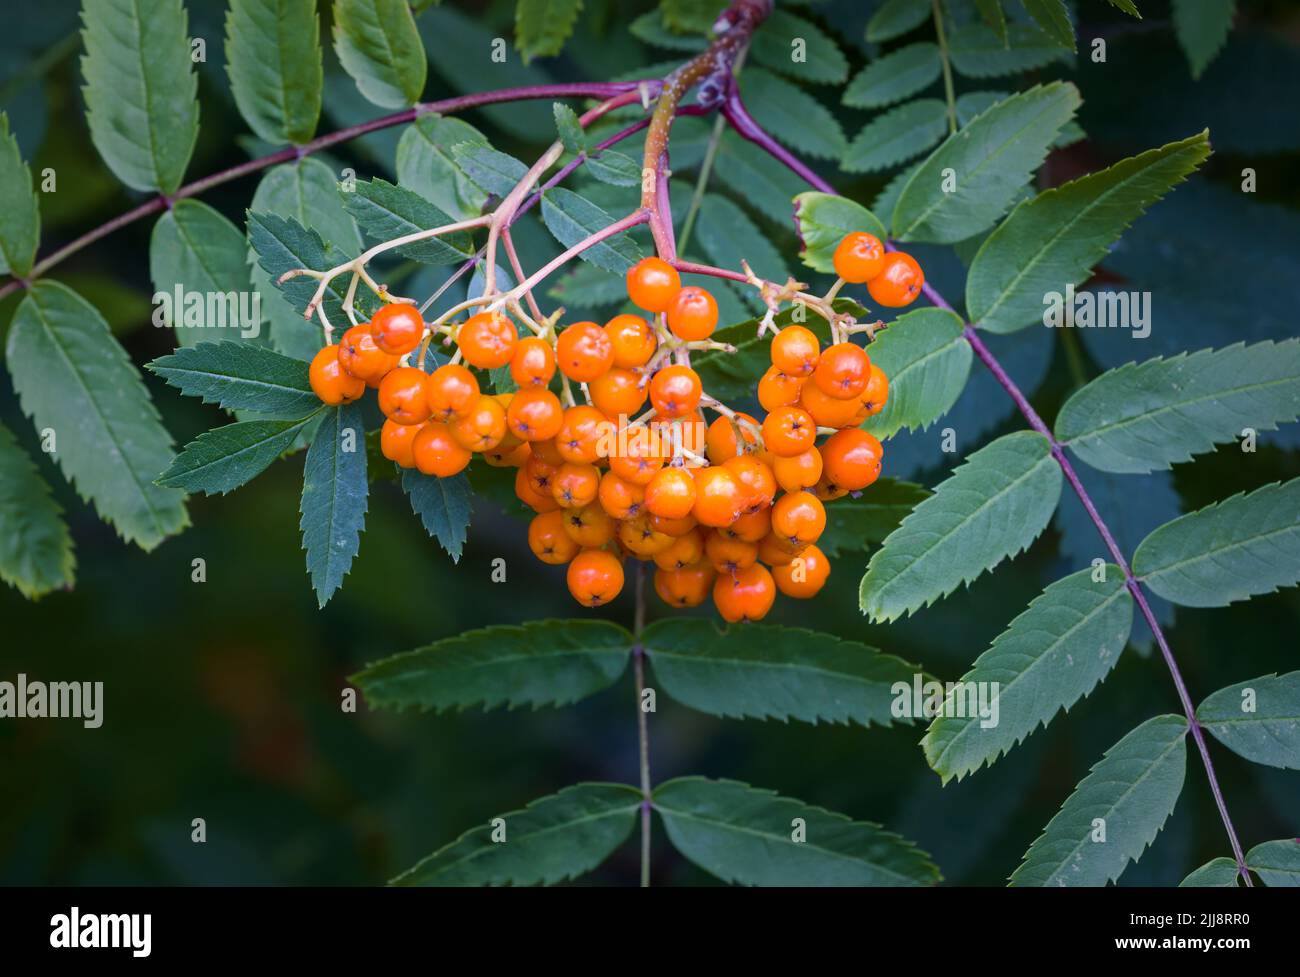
(731, 509)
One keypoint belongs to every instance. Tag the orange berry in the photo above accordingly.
(652, 283)
(719, 497)
(826, 410)
(798, 517)
(618, 392)
(584, 351)
(640, 457)
(507, 455)
(642, 539)
(752, 527)
(852, 459)
(402, 395)
(534, 414)
(728, 554)
(859, 257)
(482, 427)
(585, 434)
(589, 526)
(693, 314)
(775, 551)
(437, 452)
(757, 483)
(361, 358)
(450, 390)
(899, 281)
(575, 485)
(828, 492)
(548, 540)
(842, 371)
(633, 340)
(745, 595)
(685, 550)
(720, 441)
(548, 451)
(876, 393)
(397, 442)
(789, 431)
(795, 351)
(330, 382)
(530, 496)
(671, 493)
(397, 328)
(804, 575)
(619, 497)
(777, 389)
(686, 586)
(675, 391)
(798, 471)
(673, 527)
(595, 577)
(487, 340)
(533, 362)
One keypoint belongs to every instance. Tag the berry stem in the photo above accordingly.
(642, 724)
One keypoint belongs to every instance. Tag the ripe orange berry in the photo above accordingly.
(675, 391)
(757, 483)
(798, 471)
(876, 393)
(776, 552)
(777, 389)
(619, 497)
(673, 527)
(752, 527)
(548, 540)
(859, 257)
(530, 496)
(534, 414)
(595, 577)
(842, 371)
(361, 358)
(789, 431)
(450, 390)
(547, 451)
(719, 497)
(487, 340)
(685, 550)
(533, 362)
(618, 392)
(639, 459)
(437, 452)
(827, 411)
(540, 473)
(575, 485)
(795, 351)
(330, 382)
(720, 442)
(652, 283)
(402, 395)
(686, 586)
(828, 492)
(589, 526)
(584, 436)
(804, 575)
(584, 351)
(798, 517)
(633, 340)
(899, 281)
(641, 539)
(397, 441)
(507, 455)
(745, 595)
(397, 328)
(482, 427)
(728, 554)
(671, 493)
(693, 314)
(852, 459)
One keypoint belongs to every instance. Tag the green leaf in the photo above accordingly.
(896, 136)
(691, 16)
(1228, 551)
(276, 67)
(240, 376)
(554, 838)
(387, 212)
(853, 524)
(927, 359)
(198, 260)
(74, 380)
(334, 494)
(1132, 790)
(220, 460)
(993, 16)
(980, 51)
(540, 663)
(1127, 6)
(1277, 863)
(379, 46)
(792, 115)
(651, 29)
(728, 237)
(1202, 27)
(800, 49)
(1053, 18)
(1047, 659)
(1146, 416)
(141, 90)
(542, 26)
(894, 76)
(991, 159)
(822, 220)
(760, 671)
(589, 287)
(1258, 719)
(20, 217)
(571, 218)
(744, 834)
(990, 508)
(443, 505)
(35, 547)
(758, 180)
(615, 168)
(1218, 873)
(569, 128)
(426, 165)
(1055, 239)
(894, 18)
(494, 171)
